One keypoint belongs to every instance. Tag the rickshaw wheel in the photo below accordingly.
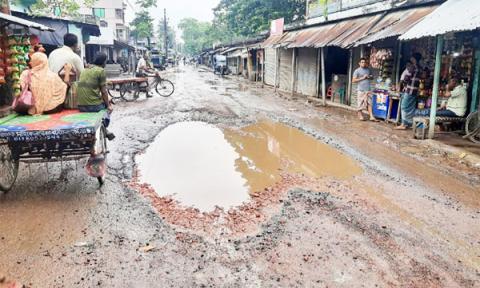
(473, 124)
(8, 168)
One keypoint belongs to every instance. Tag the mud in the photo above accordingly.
(395, 217)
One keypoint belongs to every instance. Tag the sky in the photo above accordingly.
(177, 10)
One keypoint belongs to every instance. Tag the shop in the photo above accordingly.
(270, 66)
(16, 44)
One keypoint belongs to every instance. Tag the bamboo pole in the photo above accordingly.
(324, 86)
(294, 70)
(436, 86)
(317, 77)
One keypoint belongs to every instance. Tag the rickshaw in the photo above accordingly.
(65, 136)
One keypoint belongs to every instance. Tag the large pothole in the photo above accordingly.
(204, 166)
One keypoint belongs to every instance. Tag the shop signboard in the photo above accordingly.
(277, 26)
(317, 8)
(380, 104)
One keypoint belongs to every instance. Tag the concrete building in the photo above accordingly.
(115, 33)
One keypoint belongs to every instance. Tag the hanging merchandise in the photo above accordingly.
(14, 55)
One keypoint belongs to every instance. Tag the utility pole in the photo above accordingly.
(165, 32)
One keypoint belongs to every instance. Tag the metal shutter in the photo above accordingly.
(286, 69)
(270, 58)
(307, 71)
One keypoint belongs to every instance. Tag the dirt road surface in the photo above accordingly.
(382, 210)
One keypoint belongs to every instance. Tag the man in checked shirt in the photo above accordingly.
(411, 82)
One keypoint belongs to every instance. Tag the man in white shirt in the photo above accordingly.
(66, 54)
(142, 67)
(143, 70)
(456, 105)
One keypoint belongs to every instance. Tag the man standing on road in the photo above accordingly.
(362, 77)
(66, 55)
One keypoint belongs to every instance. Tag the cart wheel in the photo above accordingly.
(165, 88)
(8, 169)
(129, 91)
(471, 126)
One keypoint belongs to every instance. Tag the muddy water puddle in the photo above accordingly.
(204, 166)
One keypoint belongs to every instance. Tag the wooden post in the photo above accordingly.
(436, 86)
(350, 76)
(277, 59)
(476, 83)
(324, 84)
(398, 59)
(294, 70)
(317, 78)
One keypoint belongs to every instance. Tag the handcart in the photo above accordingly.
(66, 136)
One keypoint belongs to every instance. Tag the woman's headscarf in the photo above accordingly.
(48, 89)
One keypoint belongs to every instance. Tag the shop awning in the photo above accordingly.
(272, 41)
(341, 34)
(238, 53)
(452, 16)
(22, 22)
(396, 23)
(229, 50)
(123, 45)
(107, 37)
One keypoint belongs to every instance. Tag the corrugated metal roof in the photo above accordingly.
(272, 41)
(342, 34)
(452, 16)
(396, 23)
(23, 22)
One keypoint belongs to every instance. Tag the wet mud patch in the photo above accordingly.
(220, 179)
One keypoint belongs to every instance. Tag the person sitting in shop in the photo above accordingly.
(47, 88)
(92, 90)
(456, 105)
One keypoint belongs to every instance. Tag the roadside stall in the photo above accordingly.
(387, 64)
(65, 136)
(448, 22)
(16, 43)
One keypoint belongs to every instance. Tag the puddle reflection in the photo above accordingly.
(204, 167)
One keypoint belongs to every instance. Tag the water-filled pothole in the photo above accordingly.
(204, 166)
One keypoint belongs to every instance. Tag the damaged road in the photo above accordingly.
(331, 202)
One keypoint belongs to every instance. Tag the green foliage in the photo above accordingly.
(236, 20)
(47, 7)
(147, 3)
(142, 25)
(195, 34)
(249, 17)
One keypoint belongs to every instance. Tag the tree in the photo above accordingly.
(61, 8)
(147, 3)
(142, 25)
(249, 17)
(196, 35)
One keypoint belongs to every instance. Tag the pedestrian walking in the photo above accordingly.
(362, 77)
